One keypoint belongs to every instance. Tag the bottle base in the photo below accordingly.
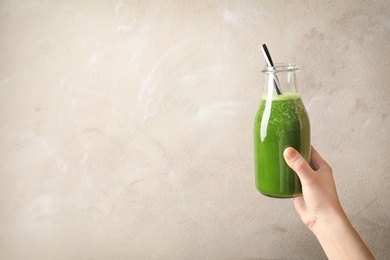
(281, 196)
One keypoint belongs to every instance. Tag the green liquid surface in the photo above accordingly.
(281, 121)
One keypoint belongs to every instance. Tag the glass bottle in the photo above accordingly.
(281, 121)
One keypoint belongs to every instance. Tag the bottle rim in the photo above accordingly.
(280, 67)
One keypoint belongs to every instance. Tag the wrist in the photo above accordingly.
(339, 239)
(331, 224)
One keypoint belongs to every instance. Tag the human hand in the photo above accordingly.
(319, 199)
(320, 208)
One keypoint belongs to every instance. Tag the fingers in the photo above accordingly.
(299, 204)
(317, 161)
(299, 165)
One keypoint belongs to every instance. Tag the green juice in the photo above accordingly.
(281, 121)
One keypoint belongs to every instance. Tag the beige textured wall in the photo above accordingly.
(126, 126)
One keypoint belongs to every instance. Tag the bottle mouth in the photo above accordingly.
(280, 67)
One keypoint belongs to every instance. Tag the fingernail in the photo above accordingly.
(290, 153)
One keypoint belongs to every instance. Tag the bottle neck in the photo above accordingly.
(280, 79)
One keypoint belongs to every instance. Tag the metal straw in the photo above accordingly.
(269, 62)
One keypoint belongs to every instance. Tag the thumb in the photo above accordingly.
(299, 165)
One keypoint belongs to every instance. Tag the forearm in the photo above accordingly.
(339, 239)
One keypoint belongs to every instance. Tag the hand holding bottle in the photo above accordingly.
(320, 208)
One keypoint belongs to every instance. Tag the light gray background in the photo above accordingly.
(126, 127)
